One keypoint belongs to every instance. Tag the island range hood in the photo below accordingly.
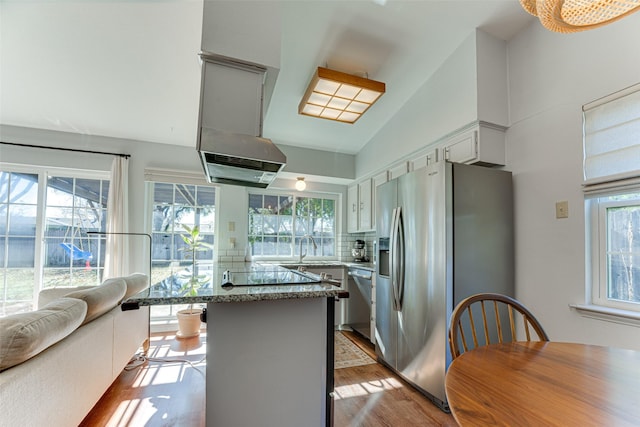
(230, 143)
(239, 159)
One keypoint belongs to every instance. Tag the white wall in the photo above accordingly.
(470, 85)
(550, 77)
(446, 102)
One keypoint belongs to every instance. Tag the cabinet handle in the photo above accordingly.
(446, 153)
(353, 207)
(361, 205)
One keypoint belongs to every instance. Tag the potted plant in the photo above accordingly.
(189, 319)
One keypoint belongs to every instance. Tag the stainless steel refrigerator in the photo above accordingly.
(443, 233)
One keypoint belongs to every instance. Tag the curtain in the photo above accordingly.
(117, 253)
(612, 137)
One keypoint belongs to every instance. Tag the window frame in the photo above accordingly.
(335, 197)
(173, 178)
(599, 250)
(43, 173)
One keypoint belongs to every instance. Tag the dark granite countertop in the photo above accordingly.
(249, 282)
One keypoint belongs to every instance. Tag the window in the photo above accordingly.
(73, 207)
(612, 199)
(174, 205)
(617, 270)
(278, 222)
(44, 216)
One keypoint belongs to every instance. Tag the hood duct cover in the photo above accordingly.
(238, 159)
(230, 143)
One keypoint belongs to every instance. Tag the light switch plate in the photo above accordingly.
(562, 209)
(232, 226)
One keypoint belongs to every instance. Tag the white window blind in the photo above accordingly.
(612, 137)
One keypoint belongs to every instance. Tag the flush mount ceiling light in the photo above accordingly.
(570, 16)
(339, 96)
(300, 184)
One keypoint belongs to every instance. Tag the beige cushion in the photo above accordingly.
(24, 335)
(136, 282)
(101, 299)
(47, 295)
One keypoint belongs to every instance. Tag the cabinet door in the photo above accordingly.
(377, 180)
(352, 209)
(424, 160)
(432, 156)
(418, 163)
(462, 148)
(398, 170)
(364, 197)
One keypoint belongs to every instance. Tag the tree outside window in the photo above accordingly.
(278, 222)
(623, 253)
(57, 251)
(174, 205)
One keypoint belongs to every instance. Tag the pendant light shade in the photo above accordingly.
(570, 16)
(342, 97)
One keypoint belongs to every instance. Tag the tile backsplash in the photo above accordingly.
(343, 248)
(346, 241)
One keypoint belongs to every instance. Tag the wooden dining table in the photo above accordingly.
(548, 383)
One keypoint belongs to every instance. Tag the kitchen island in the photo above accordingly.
(269, 343)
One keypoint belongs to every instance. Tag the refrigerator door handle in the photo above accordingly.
(401, 255)
(396, 257)
(392, 258)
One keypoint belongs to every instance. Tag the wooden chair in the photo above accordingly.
(472, 316)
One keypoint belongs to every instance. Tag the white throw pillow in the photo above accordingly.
(136, 282)
(101, 299)
(47, 295)
(24, 335)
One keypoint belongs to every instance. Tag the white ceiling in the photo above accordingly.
(131, 70)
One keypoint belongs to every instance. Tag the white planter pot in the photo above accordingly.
(189, 323)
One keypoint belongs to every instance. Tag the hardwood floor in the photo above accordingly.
(158, 393)
(372, 396)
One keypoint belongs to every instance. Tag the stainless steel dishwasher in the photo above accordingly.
(358, 311)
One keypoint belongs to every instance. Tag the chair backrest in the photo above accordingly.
(493, 317)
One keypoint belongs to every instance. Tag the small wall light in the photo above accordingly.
(300, 184)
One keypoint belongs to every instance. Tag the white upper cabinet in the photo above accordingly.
(461, 148)
(352, 209)
(365, 221)
(481, 144)
(398, 170)
(376, 181)
(361, 204)
(423, 160)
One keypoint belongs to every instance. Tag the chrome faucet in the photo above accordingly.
(307, 236)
